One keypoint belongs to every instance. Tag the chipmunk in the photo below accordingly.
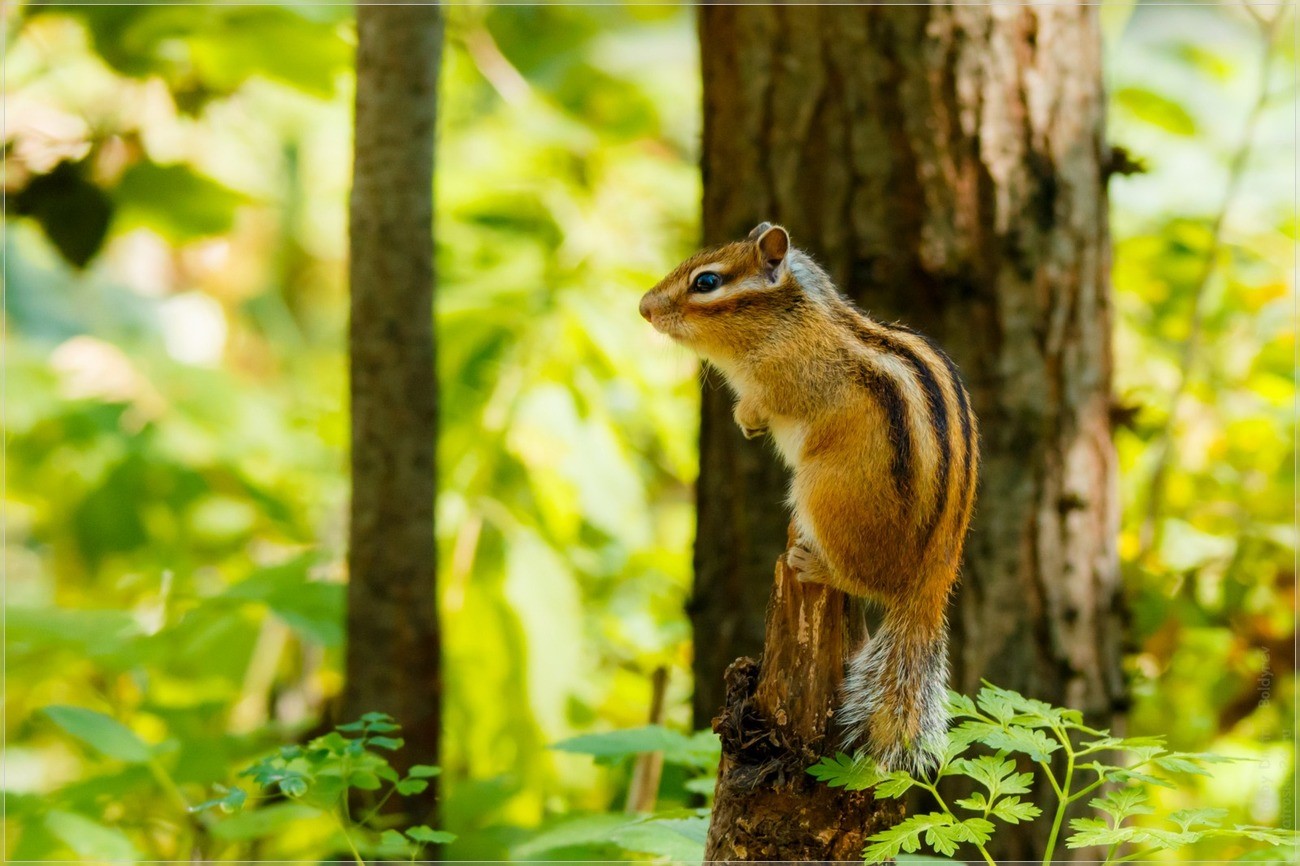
(877, 428)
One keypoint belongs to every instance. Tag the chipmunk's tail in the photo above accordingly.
(894, 696)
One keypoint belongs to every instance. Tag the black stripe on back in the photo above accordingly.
(963, 405)
(938, 419)
(938, 408)
(891, 400)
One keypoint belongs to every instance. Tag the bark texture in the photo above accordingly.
(393, 634)
(947, 165)
(775, 725)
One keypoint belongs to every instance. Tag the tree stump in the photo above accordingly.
(776, 723)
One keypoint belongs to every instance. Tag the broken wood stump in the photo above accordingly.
(777, 722)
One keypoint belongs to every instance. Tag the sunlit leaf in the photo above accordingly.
(91, 839)
(102, 733)
(262, 821)
(430, 836)
(175, 200)
(1155, 109)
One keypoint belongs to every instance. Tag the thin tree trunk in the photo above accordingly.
(946, 164)
(393, 634)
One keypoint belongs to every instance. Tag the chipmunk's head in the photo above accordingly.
(727, 300)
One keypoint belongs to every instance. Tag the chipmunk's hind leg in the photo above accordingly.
(811, 568)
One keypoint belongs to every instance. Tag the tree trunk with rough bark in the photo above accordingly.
(393, 635)
(947, 165)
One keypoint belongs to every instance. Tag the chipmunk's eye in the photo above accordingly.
(706, 282)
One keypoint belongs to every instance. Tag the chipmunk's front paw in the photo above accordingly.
(808, 567)
(750, 419)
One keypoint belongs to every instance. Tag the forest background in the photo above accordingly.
(176, 428)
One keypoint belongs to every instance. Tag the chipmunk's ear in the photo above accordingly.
(773, 245)
(758, 230)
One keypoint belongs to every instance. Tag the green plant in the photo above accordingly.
(1013, 725)
(331, 773)
(674, 834)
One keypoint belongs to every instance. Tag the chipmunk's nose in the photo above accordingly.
(647, 308)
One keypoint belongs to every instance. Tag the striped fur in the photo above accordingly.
(878, 431)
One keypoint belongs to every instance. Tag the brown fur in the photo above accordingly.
(873, 421)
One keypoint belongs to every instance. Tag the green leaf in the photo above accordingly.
(96, 634)
(390, 743)
(1190, 762)
(262, 821)
(312, 608)
(677, 840)
(407, 787)
(231, 801)
(248, 42)
(894, 784)
(1011, 707)
(976, 830)
(705, 786)
(393, 842)
(995, 773)
(364, 780)
(424, 771)
(325, 792)
(593, 829)
(1166, 839)
(694, 827)
(700, 750)
(175, 201)
(1206, 817)
(1034, 743)
(73, 212)
(1123, 743)
(429, 836)
(293, 786)
(1268, 835)
(953, 749)
(844, 771)
(1122, 803)
(1094, 831)
(1155, 109)
(972, 731)
(333, 741)
(941, 831)
(960, 705)
(91, 839)
(1122, 774)
(1013, 810)
(102, 733)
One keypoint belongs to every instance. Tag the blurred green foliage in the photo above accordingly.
(176, 424)
(1203, 249)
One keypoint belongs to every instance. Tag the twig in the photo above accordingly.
(644, 788)
(493, 65)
